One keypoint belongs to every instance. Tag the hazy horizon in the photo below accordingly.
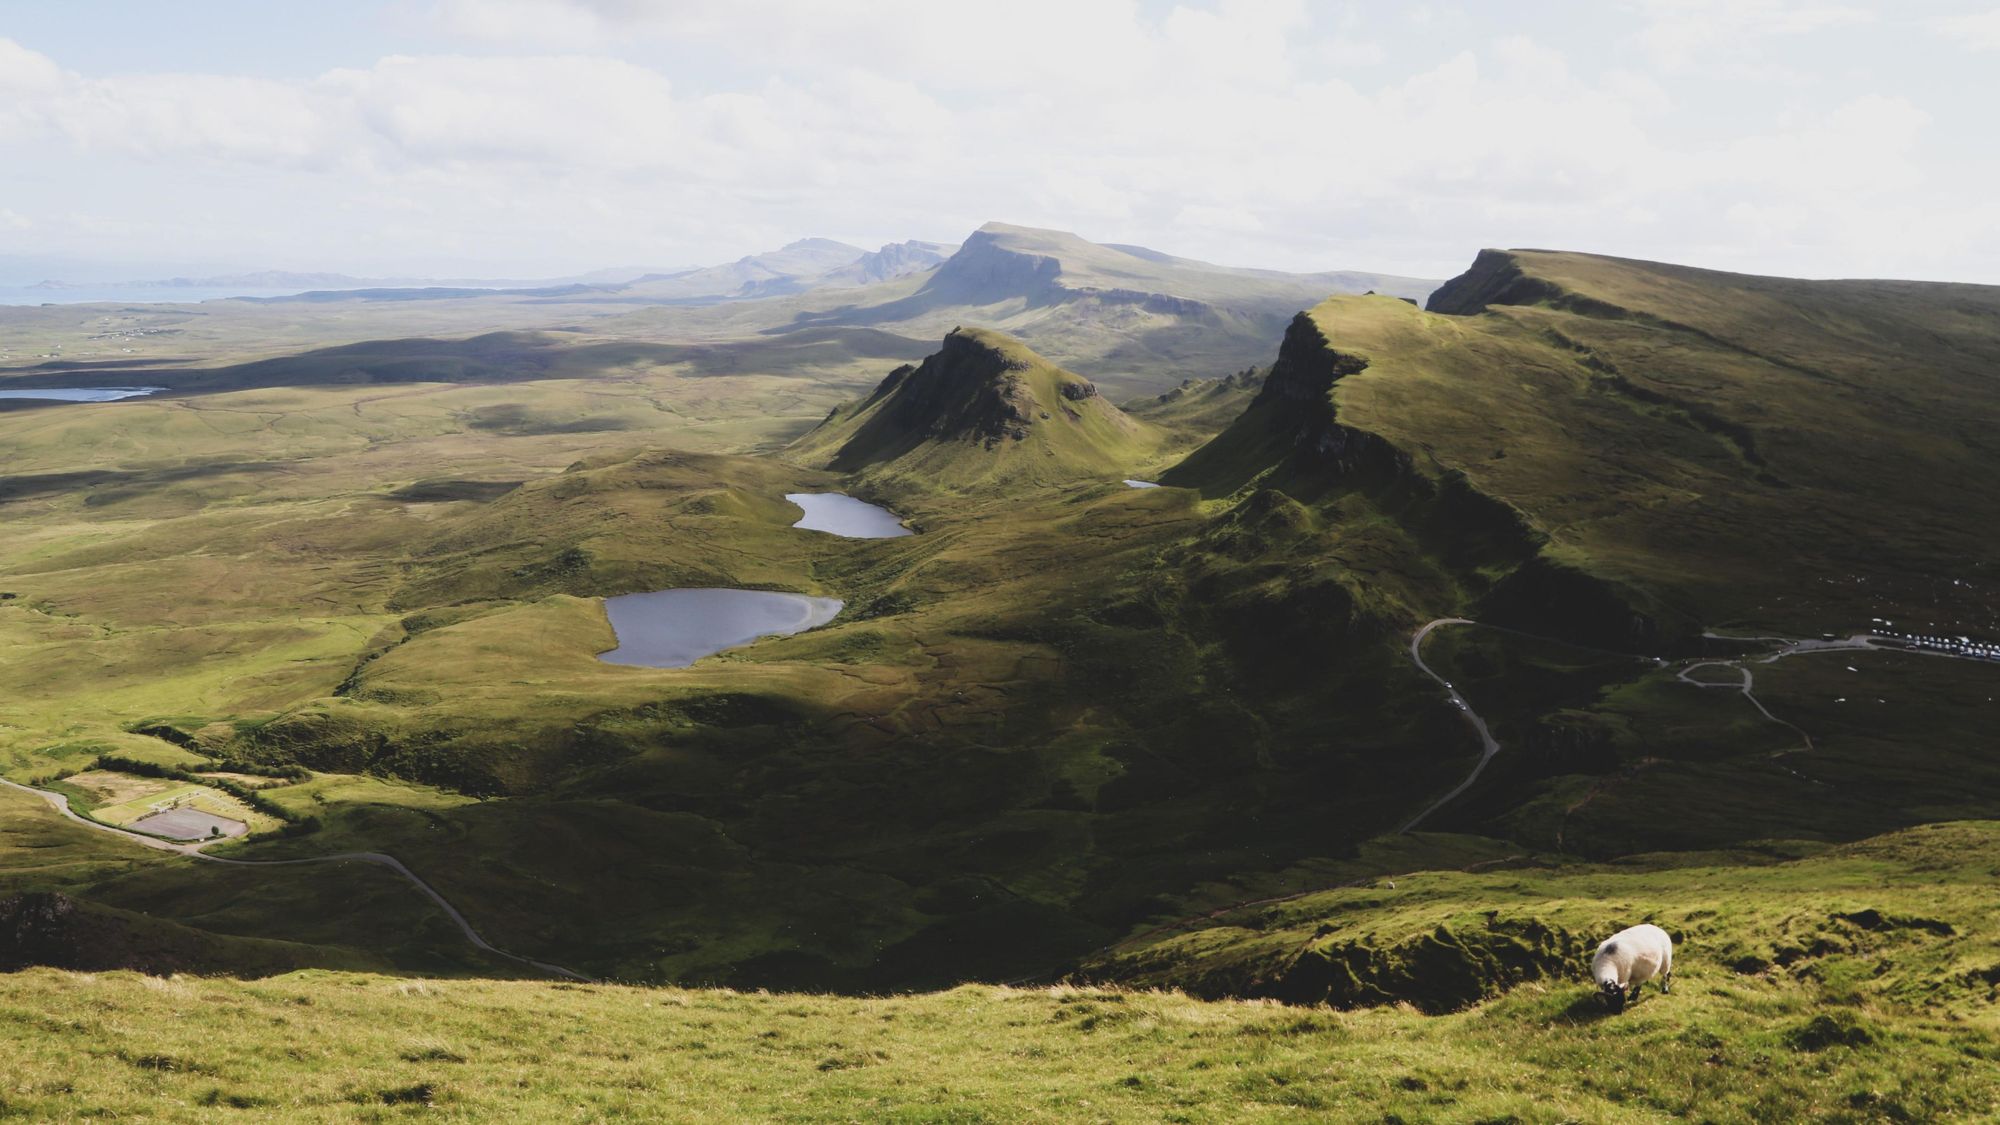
(547, 138)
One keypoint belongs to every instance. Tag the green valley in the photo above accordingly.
(1091, 800)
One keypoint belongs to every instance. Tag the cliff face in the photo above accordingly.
(1299, 394)
(1290, 427)
(985, 271)
(1291, 440)
(1495, 278)
(897, 259)
(1498, 277)
(966, 389)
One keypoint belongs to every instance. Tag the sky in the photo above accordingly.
(540, 138)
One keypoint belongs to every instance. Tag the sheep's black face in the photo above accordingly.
(1612, 995)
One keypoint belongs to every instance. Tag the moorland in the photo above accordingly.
(1069, 744)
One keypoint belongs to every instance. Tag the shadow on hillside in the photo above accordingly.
(497, 357)
(86, 365)
(105, 486)
(1587, 1008)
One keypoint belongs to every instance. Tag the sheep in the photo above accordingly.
(1630, 958)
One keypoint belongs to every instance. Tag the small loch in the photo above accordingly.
(1140, 484)
(675, 628)
(76, 394)
(837, 513)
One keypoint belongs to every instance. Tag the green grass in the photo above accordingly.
(168, 913)
(1064, 713)
(1853, 985)
(1756, 451)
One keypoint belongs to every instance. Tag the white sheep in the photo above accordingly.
(1630, 958)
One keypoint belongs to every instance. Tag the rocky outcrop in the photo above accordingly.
(983, 411)
(897, 259)
(1292, 419)
(966, 389)
(1159, 304)
(1497, 278)
(1448, 968)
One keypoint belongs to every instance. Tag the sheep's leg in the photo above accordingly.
(1667, 983)
(1636, 986)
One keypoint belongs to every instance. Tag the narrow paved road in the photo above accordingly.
(1792, 646)
(1488, 747)
(61, 804)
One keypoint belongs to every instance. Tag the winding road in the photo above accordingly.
(1792, 646)
(1488, 747)
(61, 804)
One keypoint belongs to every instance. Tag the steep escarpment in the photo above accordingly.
(1289, 429)
(1496, 278)
(989, 269)
(982, 410)
(970, 389)
(1677, 429)
(1449, 538)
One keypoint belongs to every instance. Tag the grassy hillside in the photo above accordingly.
(105, 903)
(1612, 453)
(1682, 430)
(983, 411)
(1066, 724)
(1854, 985)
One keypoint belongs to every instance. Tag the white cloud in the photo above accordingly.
(1974, 31)
(26, 72)
(1226, 129)
(1682, 32)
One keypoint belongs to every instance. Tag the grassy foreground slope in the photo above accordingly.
(1856, 985)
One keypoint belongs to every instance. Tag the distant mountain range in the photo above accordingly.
(304, 280)
(809, 263)
(1133, 319)
(806, 264)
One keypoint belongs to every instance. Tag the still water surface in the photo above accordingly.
(675, 628)
(840, 514)
(78, 394)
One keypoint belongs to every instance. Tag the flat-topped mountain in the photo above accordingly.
(1001, 261)
(1139, 320)
(982, 409)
